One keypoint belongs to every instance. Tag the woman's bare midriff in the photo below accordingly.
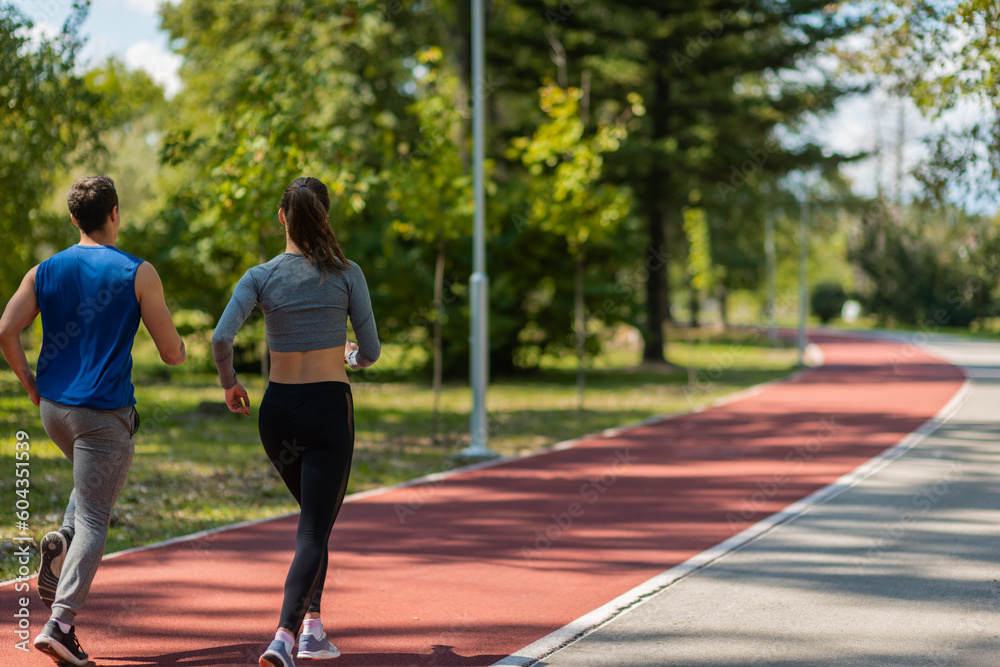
(311, 366)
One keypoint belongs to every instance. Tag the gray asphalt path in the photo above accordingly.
(901, 569)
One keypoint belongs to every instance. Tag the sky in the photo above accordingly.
(130, 30)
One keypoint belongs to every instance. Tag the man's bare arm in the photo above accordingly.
(156, 315)
(21, 311)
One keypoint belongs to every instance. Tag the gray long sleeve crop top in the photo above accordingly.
(303, 310)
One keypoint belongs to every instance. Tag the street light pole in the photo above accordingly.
(803, 258)
(769, 252)
(479, 282)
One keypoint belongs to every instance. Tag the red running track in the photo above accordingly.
(491, 560)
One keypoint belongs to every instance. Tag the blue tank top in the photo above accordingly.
(90, 316)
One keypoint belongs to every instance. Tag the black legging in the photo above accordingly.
(308, 433)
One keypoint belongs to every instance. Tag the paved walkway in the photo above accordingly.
(901, 569)
(472, 569)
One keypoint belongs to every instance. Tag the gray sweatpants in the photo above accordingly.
(100, 443)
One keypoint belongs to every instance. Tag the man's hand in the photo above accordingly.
(179, 359)
(32, 388)
(237, 399)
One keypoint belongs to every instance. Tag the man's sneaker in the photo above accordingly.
(311, 648)
(276, 655)
(53, 548)
(61, 646)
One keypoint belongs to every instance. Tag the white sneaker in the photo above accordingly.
(276, 655)
(54, 547)
(311, 648)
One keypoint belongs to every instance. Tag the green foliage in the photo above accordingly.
(719, 79)
(565, 170)
(568, 199)
(938, 52)
(827, 300)
(271, 93)
(942, 54)
(122, 96)
(48, 122)
(428, 183)
(373, 98)
(927, 272)
(699, 264)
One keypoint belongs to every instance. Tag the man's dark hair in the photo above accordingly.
(91, 200)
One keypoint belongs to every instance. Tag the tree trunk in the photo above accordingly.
(657, 290)
(723, 296)
(694, 306)
(581, 332)
(438, 352)
(665, 309)
(656, 283)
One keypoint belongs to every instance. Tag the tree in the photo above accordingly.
(827, 300)
(430, 190)
(941, 55)
(264, 102)
(569, 200)
(131, 110)
(272, 91)
(925, 272)
(717, 78)
(701, 275)
(275, 88)
(347, 75)
(48, 122)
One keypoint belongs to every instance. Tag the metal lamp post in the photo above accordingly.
(479, 282)
(803, 260)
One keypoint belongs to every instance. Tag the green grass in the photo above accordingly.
(199, 467)
(981, 330)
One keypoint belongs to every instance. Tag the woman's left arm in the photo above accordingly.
(368, 348)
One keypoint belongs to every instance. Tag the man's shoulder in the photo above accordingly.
(124, 255)
(63, 254)
(77, 251)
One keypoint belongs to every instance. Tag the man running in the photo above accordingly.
(91, 297)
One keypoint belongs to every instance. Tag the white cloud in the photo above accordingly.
(42, 31)
(45, 11)
(144, 6)
(161, 65)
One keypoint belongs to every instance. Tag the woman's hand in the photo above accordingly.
(237, 399)
(348, 348)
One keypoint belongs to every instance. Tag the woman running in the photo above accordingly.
(307, 413)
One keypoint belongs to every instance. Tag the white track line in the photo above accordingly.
(589, 623)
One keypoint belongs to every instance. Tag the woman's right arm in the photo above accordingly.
(236, 313)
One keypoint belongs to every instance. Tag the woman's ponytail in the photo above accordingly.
(306, 204)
